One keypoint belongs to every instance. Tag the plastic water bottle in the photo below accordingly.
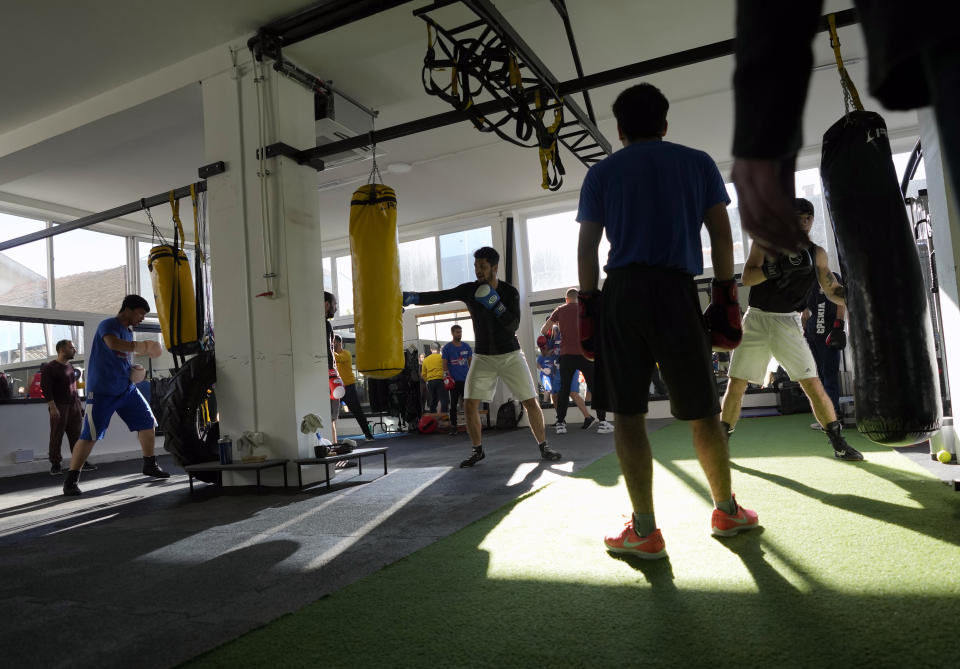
(226, 450)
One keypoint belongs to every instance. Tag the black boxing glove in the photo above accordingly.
(784, 265)
(837, 338)
(589, 306)
(771, 269)
(723, 316)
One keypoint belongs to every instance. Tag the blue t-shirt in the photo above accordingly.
(108, 371)
(651, 198)
(458, 359)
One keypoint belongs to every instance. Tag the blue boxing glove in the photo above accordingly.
(410, 298)
(489, 298)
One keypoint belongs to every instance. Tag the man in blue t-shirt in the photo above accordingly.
(111, 379)
(651, 198)
(456, 355)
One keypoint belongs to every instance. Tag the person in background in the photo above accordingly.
(571, 361)
(456, 355)
(58, 380)
(432, 372)
(344, 362)
(823, 322)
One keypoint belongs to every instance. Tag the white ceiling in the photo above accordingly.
(79, 51)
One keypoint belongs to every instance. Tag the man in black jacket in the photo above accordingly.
(494, 307)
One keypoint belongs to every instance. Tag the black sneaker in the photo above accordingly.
(89, 467)
(587, 422)
(56, 469)
(151, 468)
(70, 487)
(848, 453)
(454, 431)
(476, 457)
(841, 449)
(548, 453)
(369, 437)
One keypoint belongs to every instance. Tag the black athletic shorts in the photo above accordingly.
(652, 315)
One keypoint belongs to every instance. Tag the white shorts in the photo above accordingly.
(486, 369)
(770, 335)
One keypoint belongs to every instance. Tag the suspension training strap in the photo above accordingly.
(850, 95)
(196, 223)
(175, 208)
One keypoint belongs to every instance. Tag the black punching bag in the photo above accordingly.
(896, 388)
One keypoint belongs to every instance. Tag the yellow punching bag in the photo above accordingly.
(173, 291)
(377, 302)
(173, 295)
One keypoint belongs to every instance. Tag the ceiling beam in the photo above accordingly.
(315, 20)
(613, 76)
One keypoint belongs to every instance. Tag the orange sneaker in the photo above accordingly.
(650, 547)
(724, 524)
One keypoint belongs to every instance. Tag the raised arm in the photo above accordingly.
(145, 347)
(753, 267)
(832, 288)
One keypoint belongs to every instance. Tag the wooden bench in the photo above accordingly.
(357, 454)
(237, 467)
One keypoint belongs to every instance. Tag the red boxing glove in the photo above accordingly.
(723, 316)
(589, 306)
(448, 382)
(336, 385)
(837, 338)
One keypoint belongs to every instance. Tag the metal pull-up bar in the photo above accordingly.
(116, 212)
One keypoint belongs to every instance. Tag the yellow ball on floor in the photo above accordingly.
(944, 456)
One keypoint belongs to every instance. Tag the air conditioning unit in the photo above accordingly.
(337, 119)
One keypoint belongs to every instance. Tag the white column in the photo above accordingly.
(270, 348)
(945, 219)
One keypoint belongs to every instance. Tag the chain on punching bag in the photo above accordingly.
(897, 397)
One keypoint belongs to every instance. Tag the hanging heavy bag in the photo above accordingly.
(377, 303)
(173, 290)
(173, 294)
(897, 398)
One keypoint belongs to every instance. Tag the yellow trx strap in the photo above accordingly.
(196, 223)
(851, 97)
(175, 207)
(513, 67)
(548, 149)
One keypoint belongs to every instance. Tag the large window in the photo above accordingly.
(89, 271)
(552, 242)
(418, 264)
(25, 345)
(23, 269)
(436, 327)
(327, 274)
(456, 254)
(733, 213)
(344, 285)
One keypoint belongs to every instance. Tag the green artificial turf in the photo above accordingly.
(856, 564)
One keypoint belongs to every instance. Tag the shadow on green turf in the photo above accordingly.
(927, 492)
(440, 606)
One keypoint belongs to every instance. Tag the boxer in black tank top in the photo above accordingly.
(771, 329)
